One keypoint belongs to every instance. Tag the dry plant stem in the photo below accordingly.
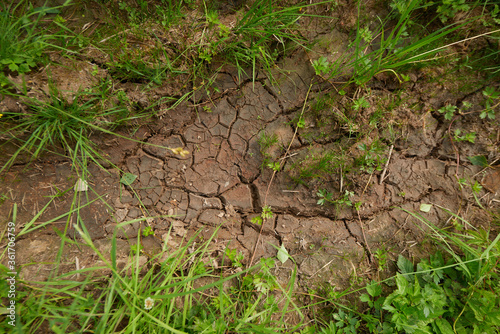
(454, 147)
(364, 237)
(119, 33)
(326, 265)
(367, 184)
(454, 43)
(382, 177)
(274, 173)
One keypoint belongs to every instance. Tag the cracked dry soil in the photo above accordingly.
(222, 183)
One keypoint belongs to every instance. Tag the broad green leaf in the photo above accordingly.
(427, 311)
(402, 284)
(478, 160)
(444, 326)
(405, 265)
(282, 254)
(425, 207)
(257, 220)
(128, 178)
(365, 298)
(13, 67)
(374, 289)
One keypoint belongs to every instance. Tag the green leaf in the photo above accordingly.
(301, 123)
(402, 284)
(282, 254)
(128, 178)
(425, 207)
(444, 326)
(478, 160)
(257, 220)
(23, 68)
(365, 298)
(405, 265)
(374, 289)
(13, 67)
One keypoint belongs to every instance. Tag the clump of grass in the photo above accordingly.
(269, 144)
(21, 42)
(176, 291)
(57, 123)
(318, 166)
(392, 49)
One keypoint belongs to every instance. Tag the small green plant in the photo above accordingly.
(136, 248)
(267, 213)
(492, 102)
(346, 322)
(381, 255)
(448, 111)
(360, 104)
(301, 123)
(470, 137)
(266, 141)
(372, 158)
(321, 66)
(275, 166)
(147, 231)
(476, 187)
(3, 198)
(447, 9)
(325, 196)
(235, 256)
(262, 281)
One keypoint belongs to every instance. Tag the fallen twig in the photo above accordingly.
(382, 177)
(119, 33)
(364, 238)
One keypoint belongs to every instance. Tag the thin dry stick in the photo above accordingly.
(382, 177)
(326, 265)
(274, 173)
(77, 265)
(451, 44)
(367, 184)
(364, 237)
(119, 33)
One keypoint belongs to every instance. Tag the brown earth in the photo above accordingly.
(222, 181)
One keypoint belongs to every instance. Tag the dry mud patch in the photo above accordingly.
(222, 183)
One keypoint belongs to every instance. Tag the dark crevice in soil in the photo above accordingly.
(359, 242)
(390, 207)
(292, 110)
(273, 94)
(256, 202)
(267, 228)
